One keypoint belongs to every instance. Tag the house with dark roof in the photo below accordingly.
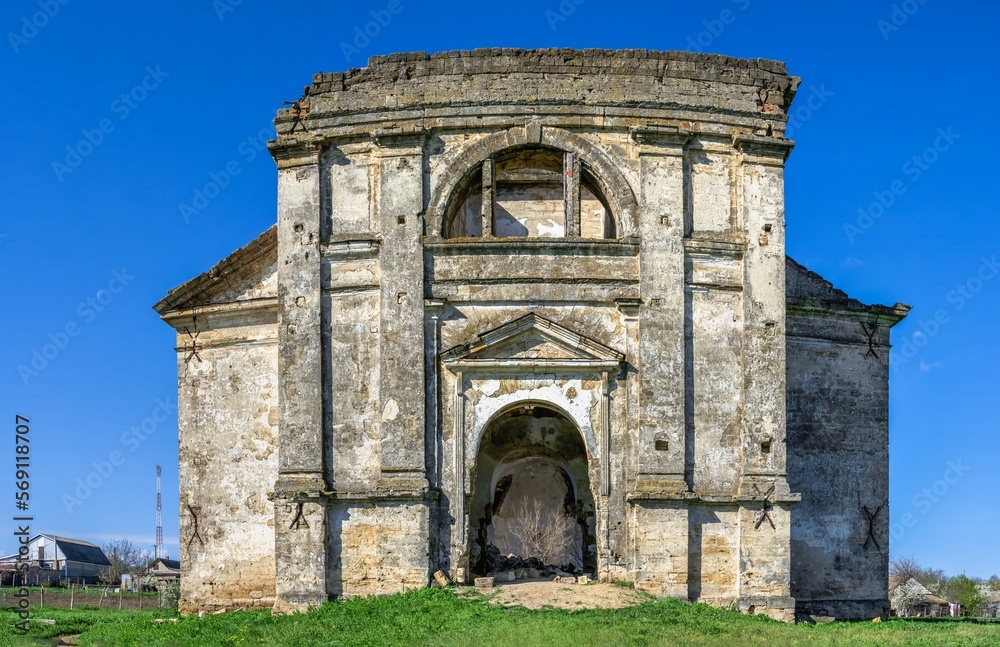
(52, 558)
(164, 569)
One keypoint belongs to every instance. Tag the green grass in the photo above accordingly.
(433, 617)
(79, 620)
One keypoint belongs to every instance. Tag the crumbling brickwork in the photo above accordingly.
(502, 278)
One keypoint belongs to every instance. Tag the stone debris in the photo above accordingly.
(441, 580)
(484, 582)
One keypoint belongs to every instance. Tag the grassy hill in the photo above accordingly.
(436, 617)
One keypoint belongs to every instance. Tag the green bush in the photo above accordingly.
(171, 593)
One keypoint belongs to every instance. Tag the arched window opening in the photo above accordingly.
(530, 192)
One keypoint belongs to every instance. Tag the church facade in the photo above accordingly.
(509, 287)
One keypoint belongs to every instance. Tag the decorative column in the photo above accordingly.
(661, 442)
(765, 514)
(299, 493)
(571, 193)
(489, 197)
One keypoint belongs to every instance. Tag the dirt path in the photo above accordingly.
(541, 593)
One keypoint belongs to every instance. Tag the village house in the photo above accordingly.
(164, 569)
(929, 606)
(55, 559)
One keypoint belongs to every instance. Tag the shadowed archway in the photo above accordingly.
(531, 491)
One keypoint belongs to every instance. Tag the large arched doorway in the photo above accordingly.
(531, 492)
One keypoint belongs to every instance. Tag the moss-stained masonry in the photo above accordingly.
(499, 272)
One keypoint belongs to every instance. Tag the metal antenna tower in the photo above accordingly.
(158, 549)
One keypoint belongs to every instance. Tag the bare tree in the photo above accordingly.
(543, 536)
(125, 557)
(935, 579)
(905, 568)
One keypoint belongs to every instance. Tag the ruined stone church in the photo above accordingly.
(510, 287)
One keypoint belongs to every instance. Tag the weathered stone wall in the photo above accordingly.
(228, 437)
(449, 81)
(666, 289)
(838, 459)
(378, 547)
(444, 261)
(838, 447)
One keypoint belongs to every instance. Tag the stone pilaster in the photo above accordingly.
(662, 442)
(300, 513)
(765, 559)
(401, 419)
(763, 218)
(765, 517)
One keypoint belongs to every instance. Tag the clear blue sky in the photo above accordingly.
(874, 95)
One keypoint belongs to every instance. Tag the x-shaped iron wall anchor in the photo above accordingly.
(872, 521)
(765, 510)
(192, 347)
(300, 520)
(194, 524)
(871, 328)
(296, 111)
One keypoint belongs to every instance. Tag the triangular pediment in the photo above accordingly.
(529, 345)
(533, 340)
(250, 273)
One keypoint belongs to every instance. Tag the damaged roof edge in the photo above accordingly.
(821, 294)
(258, 251)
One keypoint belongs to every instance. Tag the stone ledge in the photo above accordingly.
(555, 246)
(709, 499)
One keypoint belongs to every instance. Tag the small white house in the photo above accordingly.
(53, 558)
